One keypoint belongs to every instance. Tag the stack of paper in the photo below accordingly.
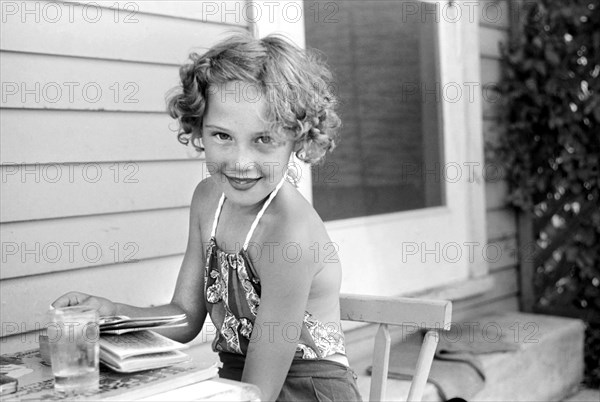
(140, 350)
(120, 324)
(128, 344)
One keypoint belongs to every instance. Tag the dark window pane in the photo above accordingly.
(385, 65)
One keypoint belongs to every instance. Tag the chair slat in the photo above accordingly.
(381, 361)
(417, 387)
(422, 313)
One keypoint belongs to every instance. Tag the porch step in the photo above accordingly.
(547, 367)
(584, 395)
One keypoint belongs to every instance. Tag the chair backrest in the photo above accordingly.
(429, 315)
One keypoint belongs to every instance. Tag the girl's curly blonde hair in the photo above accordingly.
(296, 84)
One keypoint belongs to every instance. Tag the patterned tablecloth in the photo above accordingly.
(185, 381)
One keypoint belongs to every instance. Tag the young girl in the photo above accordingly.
(252, 260)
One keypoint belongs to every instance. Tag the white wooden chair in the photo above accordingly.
(429, 315)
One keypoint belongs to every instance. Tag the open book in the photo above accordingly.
(140, 350)
(120, 324)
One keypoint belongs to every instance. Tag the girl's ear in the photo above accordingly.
(298, 146)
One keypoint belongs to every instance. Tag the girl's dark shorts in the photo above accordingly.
(307, 380)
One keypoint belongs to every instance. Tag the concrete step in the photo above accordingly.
(548, 365)
(584, 395)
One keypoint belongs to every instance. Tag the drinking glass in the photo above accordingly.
(73, 335)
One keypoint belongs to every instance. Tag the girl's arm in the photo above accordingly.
(188, 297)
(285, 289)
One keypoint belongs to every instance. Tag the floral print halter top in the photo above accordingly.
(232, 291)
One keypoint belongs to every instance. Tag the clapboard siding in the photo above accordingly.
(234, 12)
(492, 131)
(490, 37)
(502, 247)
(507, 257)
(496, 194)
(38, 191)
(126, 229)
(501, 224)
(149, 38)
(84, 84)
(41, 247)
(494, 14)
(490, 76)
(35, 293)
(481, 308)
(88, 136)
(504, 286)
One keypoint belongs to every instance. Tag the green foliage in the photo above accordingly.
(550, 98)
(592, 356)
(552, 95)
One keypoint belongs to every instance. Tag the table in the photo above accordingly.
(182, 382)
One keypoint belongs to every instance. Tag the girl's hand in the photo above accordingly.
(104, 306)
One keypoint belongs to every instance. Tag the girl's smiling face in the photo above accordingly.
(244, 158)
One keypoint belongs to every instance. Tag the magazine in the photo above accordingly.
(8, 385)
(140, 350)
(116, 325)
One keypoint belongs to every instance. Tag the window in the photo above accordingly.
(385, 66)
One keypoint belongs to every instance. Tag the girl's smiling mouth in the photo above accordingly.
(241, 183)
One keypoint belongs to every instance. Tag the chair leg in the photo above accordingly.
(381, 361)
(415, 394)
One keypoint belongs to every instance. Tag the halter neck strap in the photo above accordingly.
(256, 220)
(217, 213)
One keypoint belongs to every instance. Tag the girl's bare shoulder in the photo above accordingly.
(205, 192)
(204, 201)
(294, 221)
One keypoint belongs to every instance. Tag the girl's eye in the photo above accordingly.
(265, 139)
(222, 136)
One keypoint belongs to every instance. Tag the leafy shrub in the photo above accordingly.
(550, 97)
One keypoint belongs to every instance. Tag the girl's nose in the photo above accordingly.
(245, 163)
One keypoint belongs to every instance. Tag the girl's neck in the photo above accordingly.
(234, 225)
(242, 211)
